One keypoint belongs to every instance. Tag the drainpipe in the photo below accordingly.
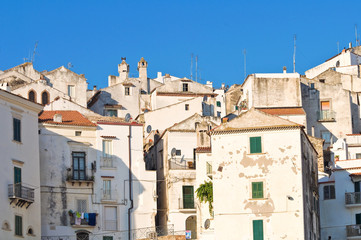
(130, 182)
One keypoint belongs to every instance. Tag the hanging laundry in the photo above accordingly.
(78, 215)
(92, 219)
(86, 216)
(77, 221)
(82, 216)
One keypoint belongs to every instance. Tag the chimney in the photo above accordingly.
(94, 87)
(58, 118)
(284, 69)
(350, 45)
(123, 70)
(209, 84)
(142, 68)
(223, 86)
(167, 78)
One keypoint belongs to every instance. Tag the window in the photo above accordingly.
(312, 86)
(16, 129)
(107, 148)
(82, 235)
(219, 114)
(77, 133)
(255, 145)
(178, 152)
(78, 165)
(81, 205)
(326, 113)
(236, 107)
(358, 155)
(127, 91)
(107, 189)
(329, 192)
(110, 218)
(357, 186)
(257, 229)
(18, 225)
(186, 107)
(358, 218)
(111, 112)
(326, 135)
(188, 197)
(107, 238)
(322, 80)
(71, 90)
(45, 98)
(185, 87)
(218, 103)
(257, 190)
(31, 96)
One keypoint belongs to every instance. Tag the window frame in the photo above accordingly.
(79, 170)
(331, 192)
(188, 197)
(259, 194)
(110, 148)
(110, 110)
(185, 87)
(186, 107)
(126, 91)
(107, 189)
(251, 146)
(71, 91)
(34, 97)
(18, 225)
(47, 98)
(16, 126)
(218, 103)
(258, 236)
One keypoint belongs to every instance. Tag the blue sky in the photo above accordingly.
(94, 35)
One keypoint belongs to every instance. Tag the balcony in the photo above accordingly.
(326, 116)
(107, 162)
(186, 205)
(80, 176)
(182, 164)
(353, 199)
(353, 231)
(20, 195)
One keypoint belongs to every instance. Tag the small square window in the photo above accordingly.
(322, 80)
(236, 107)
(127, 91)
(358, 155)
(178, 152)
(255, 144)
(186, 107)
(111, 113)
(185, 87)
(257, 190)
(78, 133)
(329, 192)
(218, 103)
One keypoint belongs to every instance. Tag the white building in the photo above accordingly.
(264, 174)
(20, 173)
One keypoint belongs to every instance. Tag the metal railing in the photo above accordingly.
(188, 204)
(327, 115)
(107, 162)
(135, 234)
(182, 163)
(353, 230)
(80, 175)
(18, 190)
(353, 198)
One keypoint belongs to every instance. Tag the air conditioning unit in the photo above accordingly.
(152, 235)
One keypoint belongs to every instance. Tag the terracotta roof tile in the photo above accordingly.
(203, 149)
(68, 118)
(283, 111)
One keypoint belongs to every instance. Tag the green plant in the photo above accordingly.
(205, 194)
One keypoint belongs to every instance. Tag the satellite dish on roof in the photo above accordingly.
(149, 129)
(173, 152)
(207, 224)
(127, 117)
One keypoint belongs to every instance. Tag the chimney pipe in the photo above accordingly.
(58, 118)
(94, 87)
(284, 69)
(350, 45)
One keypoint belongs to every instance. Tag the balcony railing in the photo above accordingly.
(86, 176)
(353, 230)
(326, 115)
(181, 163)
(186, 203)
(19, 191)
(107, 162)
(353, 198)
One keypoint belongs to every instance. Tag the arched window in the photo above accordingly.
(31, 96)
(82, 235)
(45, 98)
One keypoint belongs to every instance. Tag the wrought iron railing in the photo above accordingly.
(107, 162)
(18, 190)
(353, 198)
(326, 115)
(187, 203)
(182, 163)
(80, 175)
(353, 230)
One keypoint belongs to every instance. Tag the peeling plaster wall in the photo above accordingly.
(279, 167)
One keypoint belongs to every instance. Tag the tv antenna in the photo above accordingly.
(294, 53)
(192, 66)
(357, 40)
(338, 46)
(34, 52)
(69, 65)
(244, 57)
(197, 68)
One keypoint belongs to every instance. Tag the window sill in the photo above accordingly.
(256, 153)
(14, 141)
(18, 236)
(255, 199)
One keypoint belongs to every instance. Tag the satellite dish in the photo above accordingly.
(127, 117)
(173, 152)
(207, 224)
(149, 129)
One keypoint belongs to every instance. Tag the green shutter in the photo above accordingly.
(257, 229)
(107, 238)
(18, 225)
(358, 218)
(17, 175)
(257, 190)
(188, 197)
(218, 103)
(255, 145)
(16, 130)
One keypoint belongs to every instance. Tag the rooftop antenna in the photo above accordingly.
(197, 68)
(245, 66)
(357, 40)
(294, 53)
(34, 52)
(192, 66)
(338, 46)
(69, 65)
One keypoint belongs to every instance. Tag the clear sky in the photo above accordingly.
(94, 35)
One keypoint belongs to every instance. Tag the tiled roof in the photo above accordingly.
(283, 111)
(355, 174)
(68, 118)
(185, 94)
(203, 149)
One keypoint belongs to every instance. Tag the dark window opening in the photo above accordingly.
(44, 98)
(31, 96)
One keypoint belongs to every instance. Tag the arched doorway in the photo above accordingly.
(191, 225)
(82, 235)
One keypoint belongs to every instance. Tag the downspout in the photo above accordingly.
(130, 182)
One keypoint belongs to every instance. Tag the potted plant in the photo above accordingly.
(337, 157)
